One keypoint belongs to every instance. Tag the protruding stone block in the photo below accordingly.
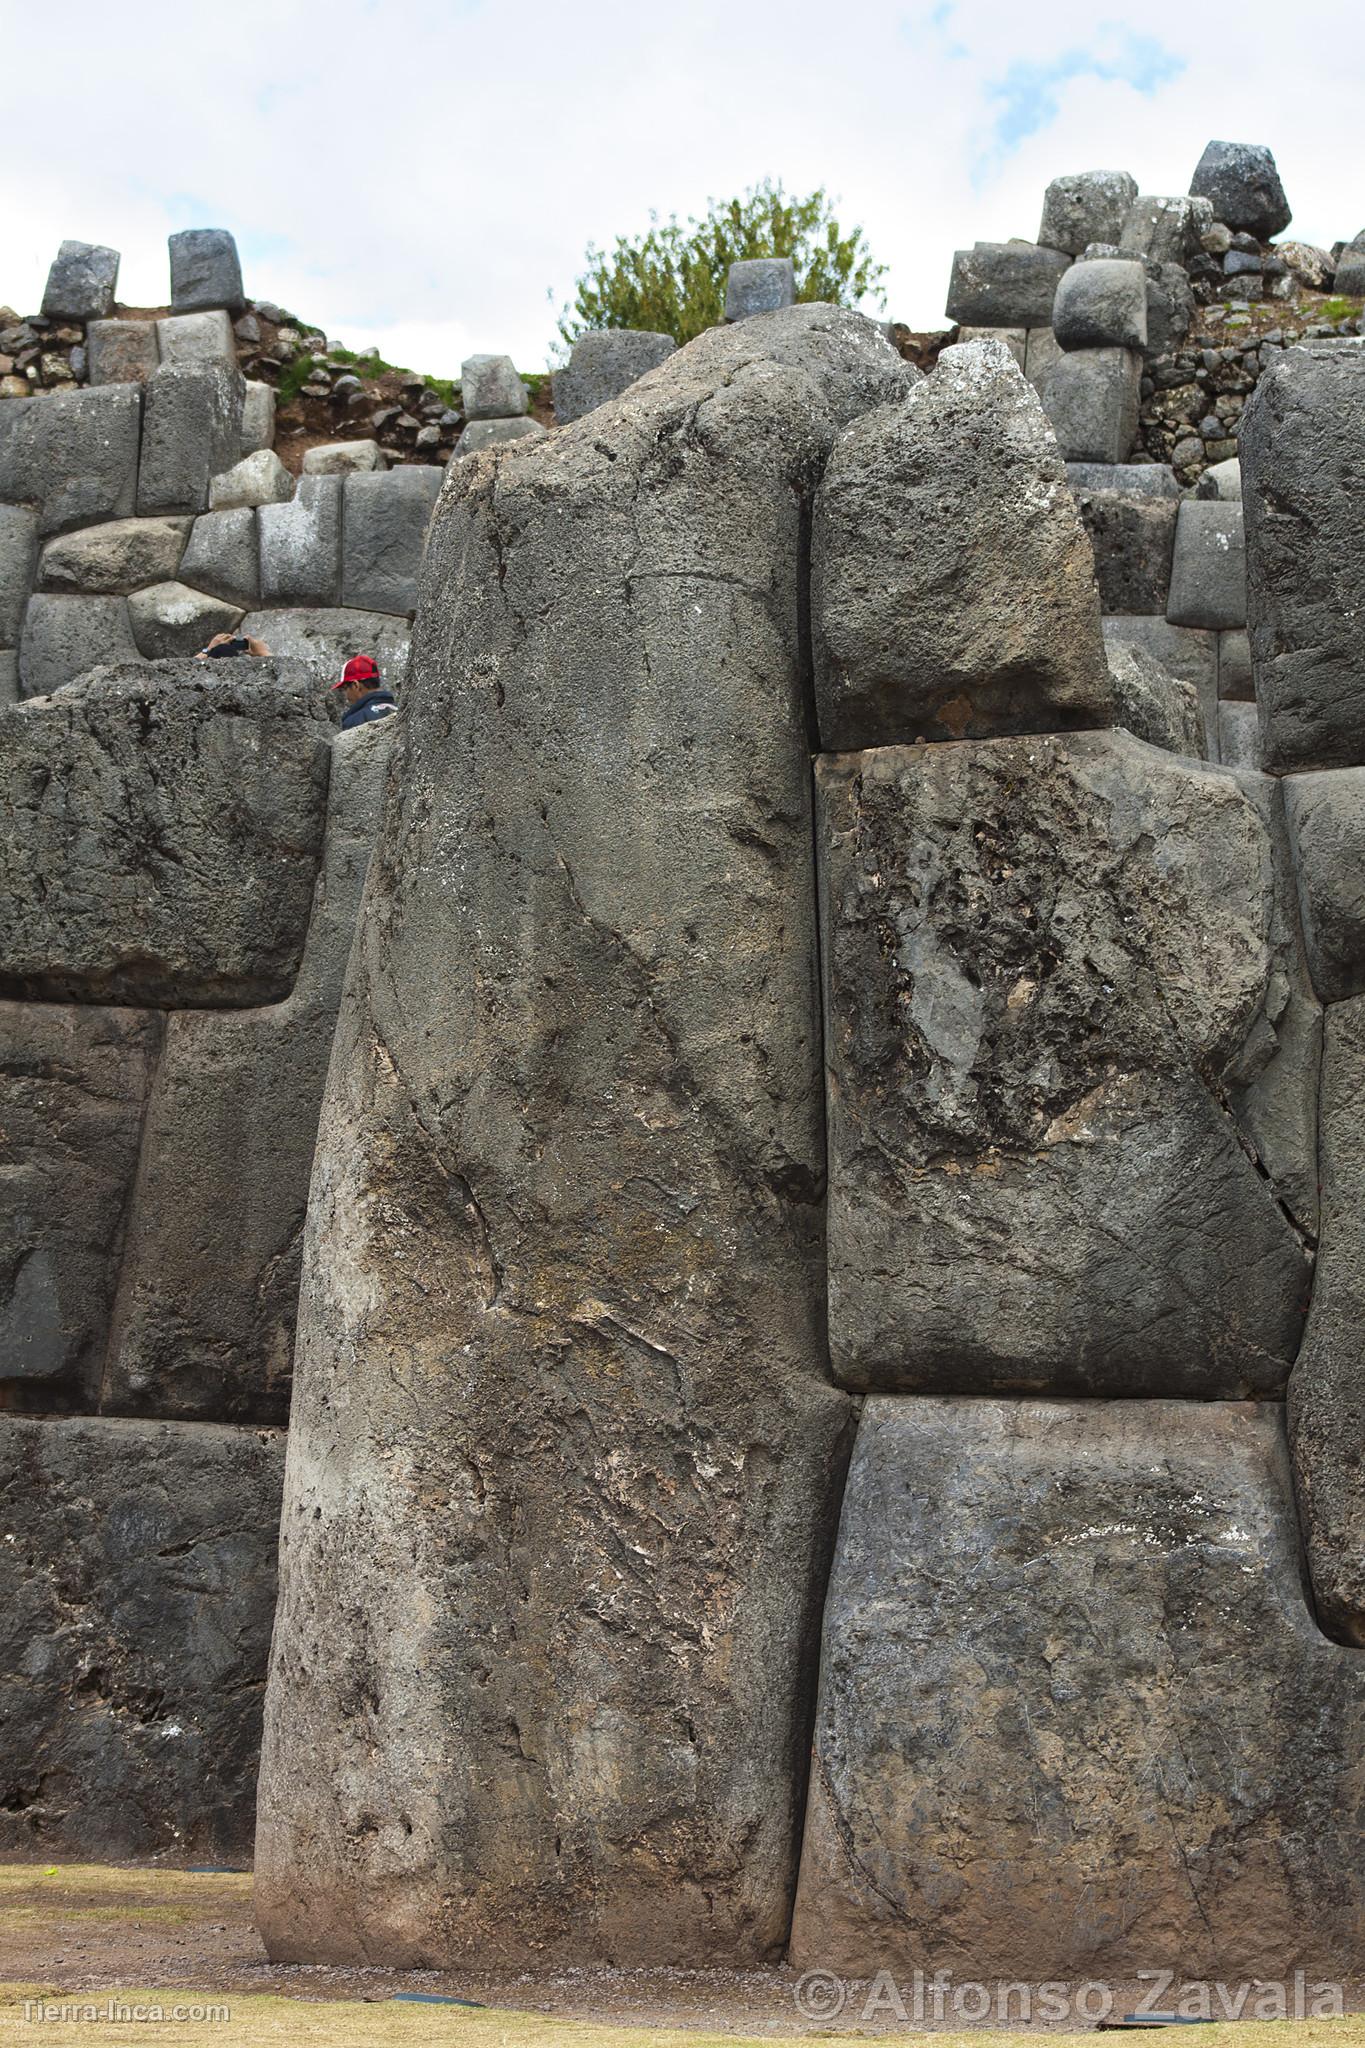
(301, 545)
(603, 365)
(196, 338)
(1133, 537)
(343, 458)
(481, 434)
(1165, 230)
(1039, 954)
(223, 557)
(1091, 398)
(104, 561)
(181, 807)
(1154, 705)
(18, 558)
(74, 454)
(490, 388)
(121, 351)
(385, 530)
(142, 1561)
(81, 283)
(325, 639)
(1326, 816)
(759, 284)
(1090, 206)
(1005, 284)
(1209, 567)
(1242, 185)
(1101, 305)
(258, 417)
(170, 619)
(258, 479)
(192, 432)
(953, 590)
(205, 271)
(1075, 1712)
(66, 637)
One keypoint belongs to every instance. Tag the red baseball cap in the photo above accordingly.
(360, 669)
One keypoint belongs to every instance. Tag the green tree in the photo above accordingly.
(672, 280)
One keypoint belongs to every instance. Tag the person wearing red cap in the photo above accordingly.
(363, 693)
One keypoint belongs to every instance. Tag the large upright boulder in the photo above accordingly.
(564, 1451)
(1242, 184)
(192, 433)
(1047, 960)
(952, 584)
(1302, 451)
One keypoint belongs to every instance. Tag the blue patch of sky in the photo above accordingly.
(1028, 96)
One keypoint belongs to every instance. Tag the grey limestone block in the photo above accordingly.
(1046, 960)
(258, 416)
(171, 619)
(481, 434)
(1326, 816)
(1208, 568)
(18, 558)
(490, 388)
(1234, 666)
(1015, 339)
(66, 637)
(1044, 1622)
(1005, 284)
(603, 365)
(325, 638)
(1184, 651)
(143, 1564)
(222, 556)
(1133, 536)
(952, 586)
(1154, 705)
(258, 479)
(343, 458)
(109, 560)
(1165, 230)
(205, 271)
(384, 529)
(1101, 305)
(81, 283)
(1239, 739)
(121, 351)
(74, 1082)
(181, 804)
(196, 338)
(73, 454)
(759, 284)
(1090, 206)
(191, 433)
(1091, 398)
(301, 545)
(227, 1154)
(1302, 451)
(1041, 352)
(666, 1247)
(1242, 185)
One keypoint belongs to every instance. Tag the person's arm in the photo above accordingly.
(257, 647)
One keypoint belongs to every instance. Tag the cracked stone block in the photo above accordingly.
(18, 558)
(952, 586)
(170, 619)
(1132, 534)
(603, 365)
(196, 338)
(222, 557)
(205, 271)
(1208, 567)
(73, 1089)
(81, 283)
(1326, 813)
(1005, 284)
(1302, 451)
(1154, 705)
(482, 434)
(1089, 206)
(300, 543)
(111, 560)
(227, 1154)
(121, 351)
(136, 1599)
(74, 454)
(384, 531)
(1076, 1718)
(65, 637)
(258, 479)
(325, 638)
(192, 432)
(1091, 397)
(1242, 186)
(1101, 305)
(759, 284)
(1047, 960)
(490, 388)
(181, 805)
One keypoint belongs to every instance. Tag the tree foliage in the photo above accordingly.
(672, 280)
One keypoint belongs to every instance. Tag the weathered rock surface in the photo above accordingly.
(66, 637)
(1091, 397)
(300, 545)
(1088, 207)
(1208, 566)
(1132, 534)
(952, 587)
(1046, 960)
(121, 351)
(18, 557)
(74, 454)
(490, 388)
(1165, 230)
(603, 365)
(81, 283)
(1184, 651)
(759, 284)
(205, 270)
(181, 813)
(1326, 814)
(137, 1588)
(228, 1150)
(196, 338)
(121, 556)
(1302, 451)
(1076, 1718)
(1154, 705)
(73, 1088)
(222, 556)
(171, 619)
(343, 458)
(1241, 183)
(481, 434)
(1004, 284)
(384, 530)
(191, 433)
(572, 1219)
(258, 479)
(326, 638)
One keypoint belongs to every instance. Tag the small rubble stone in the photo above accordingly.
(1005, 284)
(81, 283)
(205, 271)
(104, 561)
(301, 545)
(1101, 305)
(223, 558)
(121, 351)
(170, 619)
(1242, 185)
(491, 389)
(603, 365)
(1208, 571)
(343, 458)
(1088, 207)
(248, 329)
(259, 479)
(1091, 398)
(759, 284)
(481, 434)
(384, 527)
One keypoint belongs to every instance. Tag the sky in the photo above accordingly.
(426, 179)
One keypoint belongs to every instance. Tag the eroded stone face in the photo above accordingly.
(1046, 962)
(1075, 1716)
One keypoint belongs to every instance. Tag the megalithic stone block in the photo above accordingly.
(1036, 951)
(300, 544)
(205, 271)
(490, 388)
(1165, 230)
(1154, 705)
(1242, 185)
(66, 637)
(192, 432)
(325, 638)
(759, 284)
(1091, 397)
(952, 585)
(223, 557)
(384, 528)
(482, 434)
(603, 365)
(1208, 566)
(1101, 304)
(121, 351)
(1076, 1718)
(1005, 284)
(100, 561)
(81, 283)
(580, 1428)
(1089, 207)
(1302, 451)
(1132, 533)
(74, 454)
(18, 560)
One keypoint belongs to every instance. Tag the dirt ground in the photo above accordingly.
(75, 1937)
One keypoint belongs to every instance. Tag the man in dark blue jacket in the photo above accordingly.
(363, 693)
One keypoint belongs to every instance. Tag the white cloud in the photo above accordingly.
(423, 177)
